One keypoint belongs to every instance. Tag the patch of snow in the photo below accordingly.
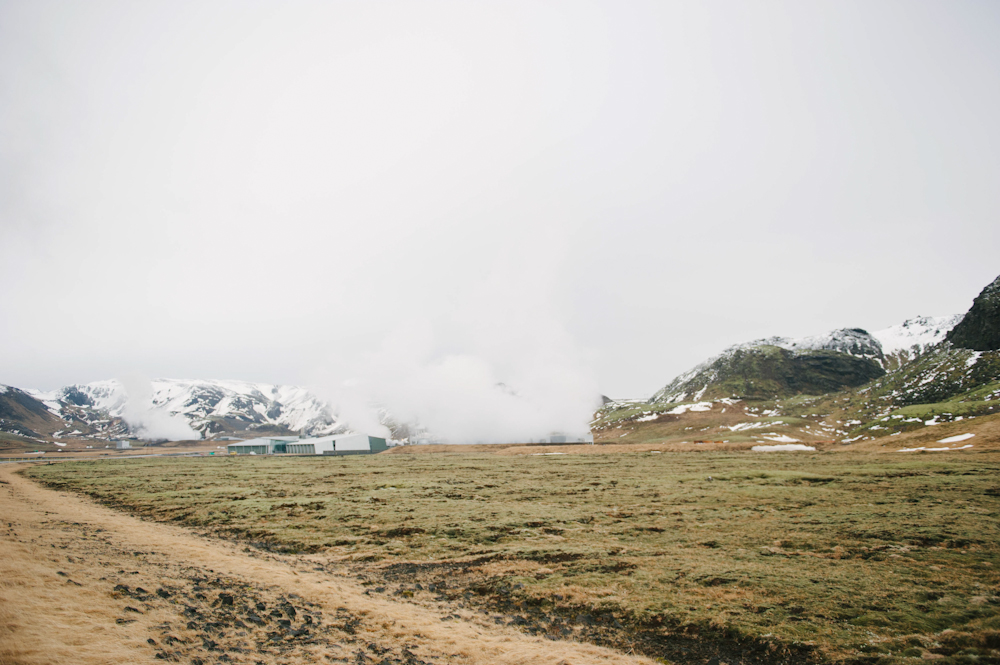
(782, 447)
(781, 438)
(62, 445)
(932, 450)
(921, 331)
(684, 408)
(956, 439)
(739, 427)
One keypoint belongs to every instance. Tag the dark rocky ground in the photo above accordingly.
(222, 620)
(465, 585)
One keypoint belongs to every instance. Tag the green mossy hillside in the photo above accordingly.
(769, 372)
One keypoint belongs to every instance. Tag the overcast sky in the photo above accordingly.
(567, 196)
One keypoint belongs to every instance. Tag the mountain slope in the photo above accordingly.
(921, 373)
(23, 415)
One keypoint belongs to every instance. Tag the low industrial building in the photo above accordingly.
(267, 445)
(338, 444)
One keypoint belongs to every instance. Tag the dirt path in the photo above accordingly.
(81, 583)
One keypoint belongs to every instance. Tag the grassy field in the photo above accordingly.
(828, 556)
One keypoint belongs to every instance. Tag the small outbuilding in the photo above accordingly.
(338, 444)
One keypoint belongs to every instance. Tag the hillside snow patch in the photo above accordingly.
(921, 331)
(781, 438)
(956, 439)
(684, 408)
(932, 450)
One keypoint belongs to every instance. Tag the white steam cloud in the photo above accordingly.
(147, 421)
(468, 397)
(497, 365)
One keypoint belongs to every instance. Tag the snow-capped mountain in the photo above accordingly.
(774, 366)
(169, 408)
(761, 373)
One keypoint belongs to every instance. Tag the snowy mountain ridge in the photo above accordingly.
(888, 348)
(852, 341)
(163, 407)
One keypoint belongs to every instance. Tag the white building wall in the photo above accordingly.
(339, 443)
(352, 442)
(324, 444)
(320, 444)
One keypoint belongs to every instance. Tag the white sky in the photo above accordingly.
(563, 196)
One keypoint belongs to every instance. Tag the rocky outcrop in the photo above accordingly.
(980, 329)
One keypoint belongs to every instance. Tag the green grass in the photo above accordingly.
(616, 413)
(858, 555)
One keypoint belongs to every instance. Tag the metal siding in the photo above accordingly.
(352, 442)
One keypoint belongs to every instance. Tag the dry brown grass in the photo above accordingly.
(77, 449)
(573, 448)
(47, 616)
(985, 428)
(48, 619)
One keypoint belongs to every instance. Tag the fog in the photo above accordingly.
(411, 203)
